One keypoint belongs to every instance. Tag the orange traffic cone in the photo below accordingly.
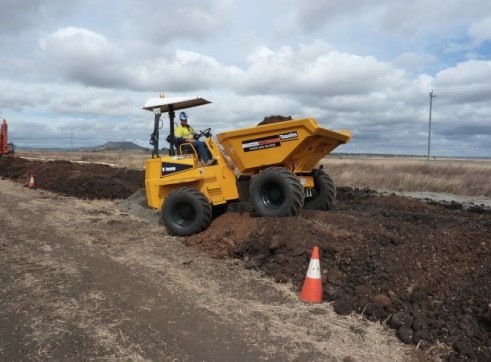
(32, 183)
(312, 286)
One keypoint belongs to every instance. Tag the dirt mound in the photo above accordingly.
(274, 119)
(83, 180)
(423, 268)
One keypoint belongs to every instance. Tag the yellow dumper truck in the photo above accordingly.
(273, 166)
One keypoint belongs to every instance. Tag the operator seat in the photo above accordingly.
(186, 148)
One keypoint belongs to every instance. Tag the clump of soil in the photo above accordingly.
(423, 268)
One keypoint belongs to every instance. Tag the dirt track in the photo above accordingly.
(423, 268)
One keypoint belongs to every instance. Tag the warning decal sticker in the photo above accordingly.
(268, 142)
(261, 143)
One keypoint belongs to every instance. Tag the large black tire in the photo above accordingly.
(323, 193)
(186, 211)
(276, 192)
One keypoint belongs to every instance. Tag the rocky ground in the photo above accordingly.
(421, 267)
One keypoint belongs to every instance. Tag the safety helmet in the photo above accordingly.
(183, 116)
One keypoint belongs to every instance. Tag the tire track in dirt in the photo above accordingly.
(103, 284)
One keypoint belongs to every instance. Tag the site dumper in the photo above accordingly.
(273, 166)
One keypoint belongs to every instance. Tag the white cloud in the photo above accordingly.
(317, 14)
(189, 71)
(357, 65)
(163, 21)
(83, 55)
(481, 30)
(414, 61)
(89, 58)
(19, 17)
(316, 71)
(470, 74)
(18, 97)
(395, 16)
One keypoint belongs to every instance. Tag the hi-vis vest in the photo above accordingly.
(184, 132)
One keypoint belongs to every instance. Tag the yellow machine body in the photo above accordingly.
(165, 174)
(297, 145)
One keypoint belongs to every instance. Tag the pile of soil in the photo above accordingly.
(422, 268)
(274, 119)
(83, 180)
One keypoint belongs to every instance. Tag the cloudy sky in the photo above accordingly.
(76, 73)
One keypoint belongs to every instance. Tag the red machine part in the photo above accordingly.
(4, 146)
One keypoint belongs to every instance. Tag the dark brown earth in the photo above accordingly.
(274, 119)
(422, 267)
(83, 180)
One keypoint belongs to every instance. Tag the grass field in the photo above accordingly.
(458, 177)
(462, 177)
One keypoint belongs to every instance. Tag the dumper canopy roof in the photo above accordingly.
(177, 103)
(168, 105)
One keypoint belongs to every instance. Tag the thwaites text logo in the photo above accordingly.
(168, 168)
(289, 136)
(268, 142)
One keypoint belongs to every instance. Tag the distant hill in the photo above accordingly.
(109, 146)
(117, 146)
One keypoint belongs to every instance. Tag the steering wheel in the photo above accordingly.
(205, 133)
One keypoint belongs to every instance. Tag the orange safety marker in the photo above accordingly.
(32, 183)
(312, 286)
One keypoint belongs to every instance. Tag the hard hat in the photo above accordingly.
(183, 116)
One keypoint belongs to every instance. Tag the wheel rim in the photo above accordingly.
(185, 214)
(272, 195)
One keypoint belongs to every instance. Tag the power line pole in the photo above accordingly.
(432, 95)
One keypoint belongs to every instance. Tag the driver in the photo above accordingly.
(185, 133)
